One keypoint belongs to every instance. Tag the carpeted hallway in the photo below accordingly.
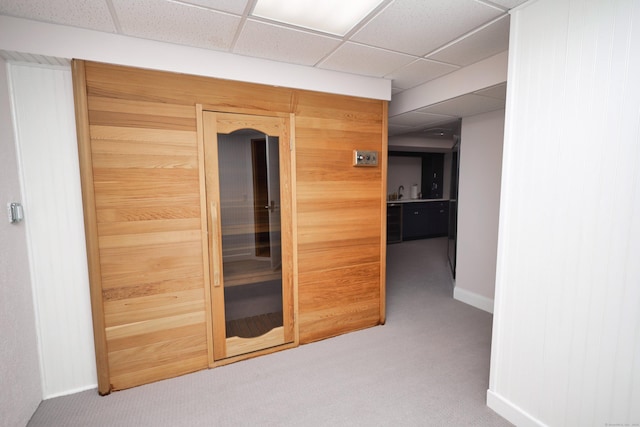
(428, 366)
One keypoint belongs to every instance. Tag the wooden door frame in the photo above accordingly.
(207, 125)
(259, 208)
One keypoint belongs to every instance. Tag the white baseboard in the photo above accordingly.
(473, 299)
(72, 391)
(511, 412)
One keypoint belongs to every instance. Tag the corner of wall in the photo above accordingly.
(473, 299)
(478, 208)
(510, 412)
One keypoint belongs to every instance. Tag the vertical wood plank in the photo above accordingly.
(90, 224)
(204, 225)
(294, 225)
(383, 157)
(286, 237)
(210, 131)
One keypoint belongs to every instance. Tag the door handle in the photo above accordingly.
(214, 245)
(272, 206)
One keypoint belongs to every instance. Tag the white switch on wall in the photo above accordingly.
(15, 212)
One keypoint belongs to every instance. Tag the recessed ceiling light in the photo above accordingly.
(329, 16)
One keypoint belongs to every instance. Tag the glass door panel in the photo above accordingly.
(251, 281)
(249, 214)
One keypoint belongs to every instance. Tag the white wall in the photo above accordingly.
(566, 337)
(19, 367)
(46, 142)
(405, 171)
(478, 208)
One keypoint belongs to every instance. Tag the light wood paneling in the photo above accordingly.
(147, 220)
(339, 215)
(145, 179)
(90, 224)
(236, 345)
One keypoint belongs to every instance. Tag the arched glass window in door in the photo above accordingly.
(249, 172)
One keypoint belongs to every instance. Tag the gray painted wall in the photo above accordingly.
(481, 143)
(19, 365)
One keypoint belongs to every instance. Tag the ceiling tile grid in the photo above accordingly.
(410, 42)
(490, 40)
(396, 43)
(417, 27)
(232, 6)
(365, 60)
(283, 44)
(90, 14)
(176, 23)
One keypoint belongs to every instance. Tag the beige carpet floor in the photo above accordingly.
(428, 366)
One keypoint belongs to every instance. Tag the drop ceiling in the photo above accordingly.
(409, 42)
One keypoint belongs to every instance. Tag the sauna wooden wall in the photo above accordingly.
(142, 191)
(339, 215)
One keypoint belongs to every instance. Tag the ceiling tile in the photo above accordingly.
(418, 27)
(365, 60)
(176, 23)
(415, 119)
(418, 72)
(283, 44)
(91, 14)
(232, 6)
(497, 92)
(465, 106)
(482, 44)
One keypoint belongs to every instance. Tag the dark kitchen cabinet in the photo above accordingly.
(438, 218)
(432, 171)
(414, 221)
(424, 219)
(394, 223)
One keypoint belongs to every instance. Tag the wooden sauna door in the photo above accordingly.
(252, 296)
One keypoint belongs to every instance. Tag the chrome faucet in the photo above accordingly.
(400, 189)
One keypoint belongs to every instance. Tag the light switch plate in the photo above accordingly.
(15, 212)
(365, 158)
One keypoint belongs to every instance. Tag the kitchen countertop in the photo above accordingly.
(416, 200)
